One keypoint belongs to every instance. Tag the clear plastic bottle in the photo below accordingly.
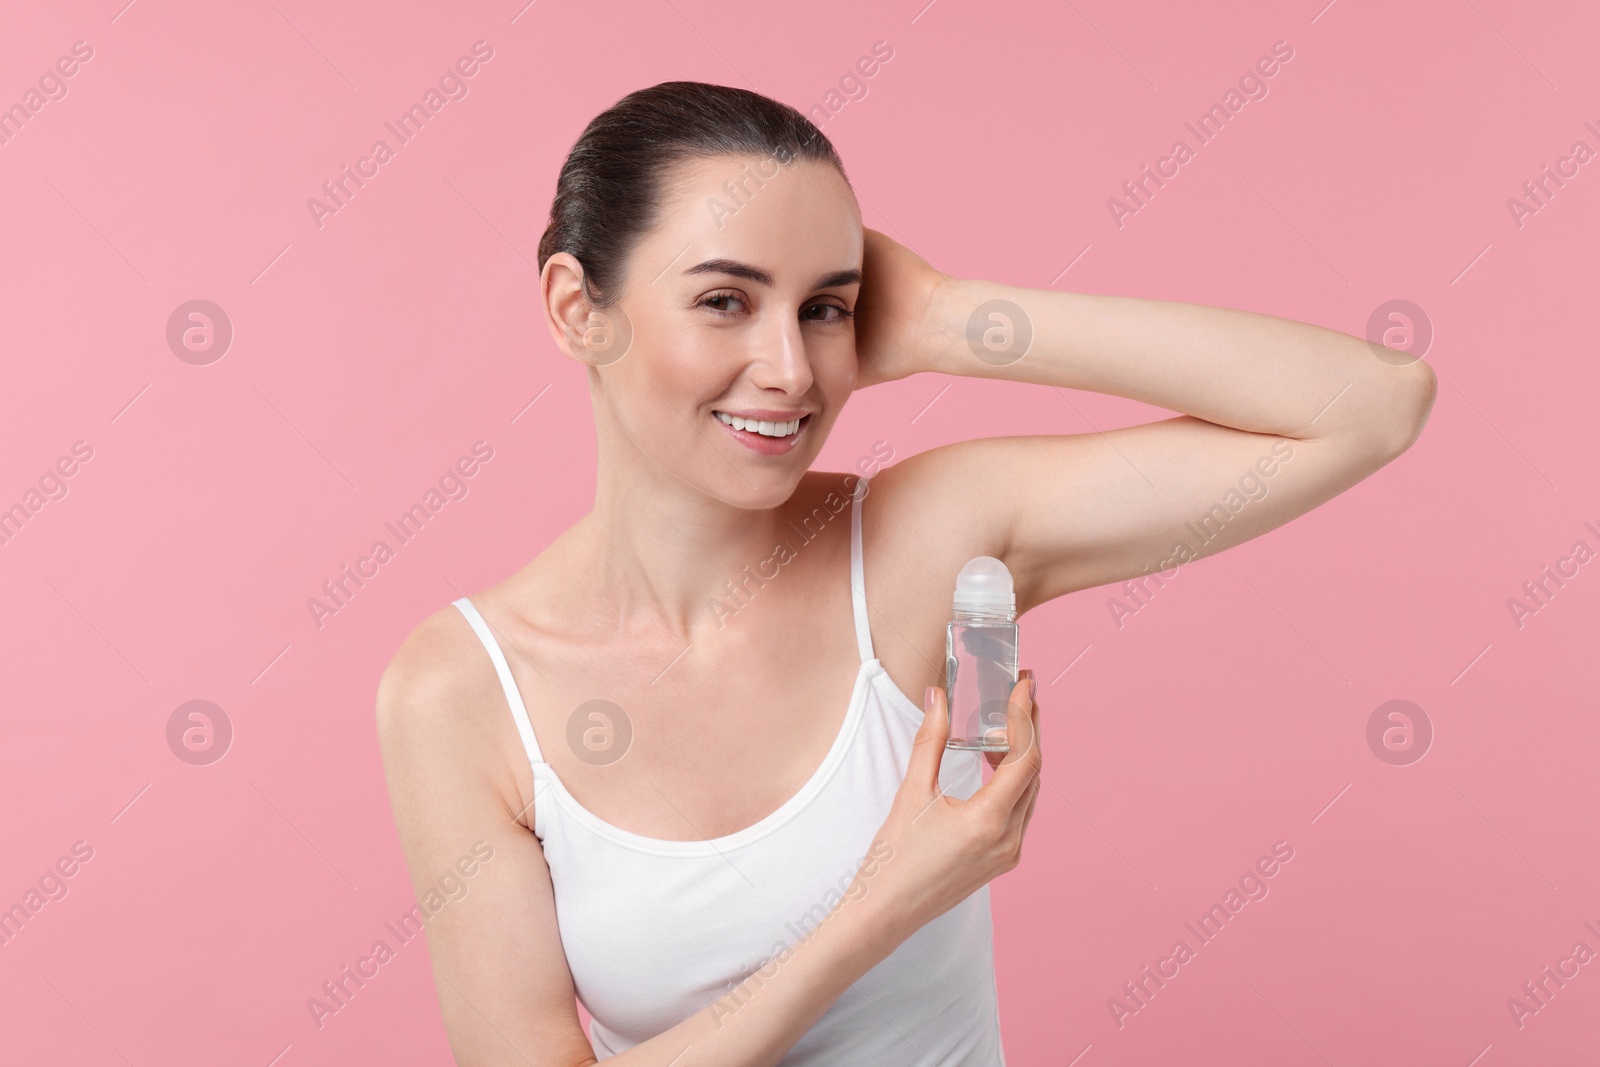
(981, 656)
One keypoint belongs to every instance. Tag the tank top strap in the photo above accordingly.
(519, 711)
(858, 592)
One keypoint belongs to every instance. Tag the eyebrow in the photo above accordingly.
(761, 277)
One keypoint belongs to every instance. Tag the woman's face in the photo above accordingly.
(735, 313)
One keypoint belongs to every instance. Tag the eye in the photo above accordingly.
(844, 314)
(716, 302)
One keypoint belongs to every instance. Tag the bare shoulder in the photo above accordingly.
(440, 709)
(427, 676)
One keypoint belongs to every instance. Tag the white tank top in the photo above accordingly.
(655, 930)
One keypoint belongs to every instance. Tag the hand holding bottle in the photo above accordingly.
(946, 848)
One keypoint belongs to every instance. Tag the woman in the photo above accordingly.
(711, 810)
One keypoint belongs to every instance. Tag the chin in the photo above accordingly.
(764, 490)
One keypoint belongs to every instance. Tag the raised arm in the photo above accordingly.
(1279, 416)
(504, 986)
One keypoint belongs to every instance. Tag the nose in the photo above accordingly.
(780, 360)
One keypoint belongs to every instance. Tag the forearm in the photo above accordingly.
(1234, 368)
(756, 1022)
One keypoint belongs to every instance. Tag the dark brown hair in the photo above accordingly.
(610, 188)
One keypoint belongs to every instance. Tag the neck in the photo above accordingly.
(657, 553)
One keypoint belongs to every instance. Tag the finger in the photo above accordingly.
(1030, 735)
(1033, 712)
(1039, 741)
(1019, 717)
(1027, 816)
(1039, 780)
(1008, 786)
(996, 758)
(1032, 797)
(927, 747)
(1017, 817)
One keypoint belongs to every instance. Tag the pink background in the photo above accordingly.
(373, 351)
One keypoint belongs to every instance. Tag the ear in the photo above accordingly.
(566, 308)
(595, 337)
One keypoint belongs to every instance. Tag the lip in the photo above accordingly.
(767, 446)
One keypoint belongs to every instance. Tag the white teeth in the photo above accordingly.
(765, 429)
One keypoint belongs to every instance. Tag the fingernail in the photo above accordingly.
(1033, 685)
(927, 697)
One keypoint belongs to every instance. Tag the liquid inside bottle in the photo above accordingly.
(981, 657)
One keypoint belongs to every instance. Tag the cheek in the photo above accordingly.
(663, 388)
(676, 370)
(680, 354)
(837, 367)
(666, 362)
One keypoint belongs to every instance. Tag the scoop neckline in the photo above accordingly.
(757, 830)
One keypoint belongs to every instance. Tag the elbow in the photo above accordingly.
(1413, 399)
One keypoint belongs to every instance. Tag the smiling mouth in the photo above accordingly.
(762, 437)
(775, 430)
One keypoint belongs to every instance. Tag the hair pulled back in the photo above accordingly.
(610, 187)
